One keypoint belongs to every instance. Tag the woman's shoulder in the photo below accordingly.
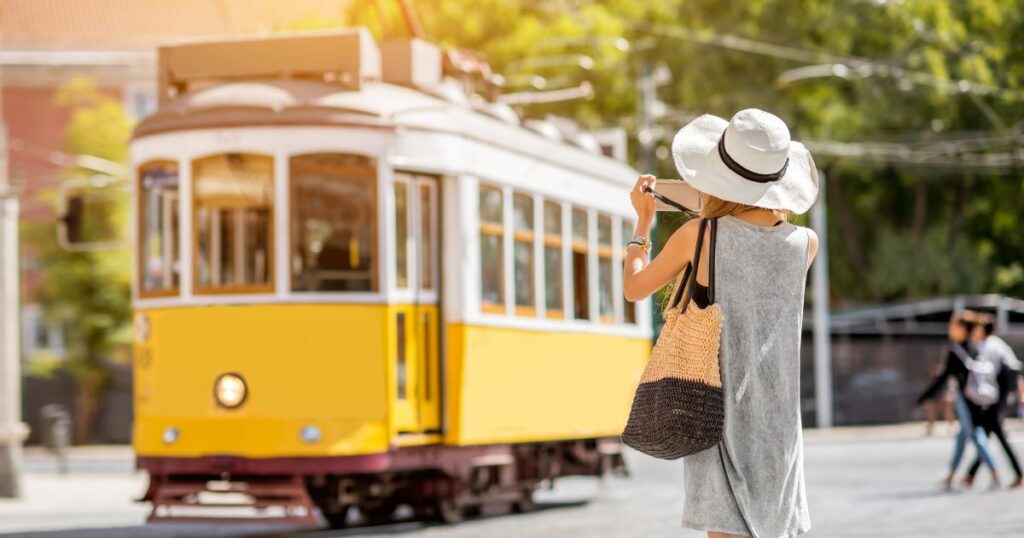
(680, 244)
(812, 243)
(687, 233)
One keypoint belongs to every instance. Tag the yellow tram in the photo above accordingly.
(358, 286)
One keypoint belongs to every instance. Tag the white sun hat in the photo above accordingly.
(750, 160)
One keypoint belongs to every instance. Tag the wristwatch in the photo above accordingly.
(641, 242)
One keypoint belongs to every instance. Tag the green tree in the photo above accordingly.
(961, 225)
(88, 293)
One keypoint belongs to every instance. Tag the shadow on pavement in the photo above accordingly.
(411, 526)
(165, 531)
(910, 494)
(258, 531)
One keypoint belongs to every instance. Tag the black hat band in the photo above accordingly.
(745, 173)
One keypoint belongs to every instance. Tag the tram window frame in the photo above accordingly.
(523, 237)
(403, 260)
(221, 289)
(416, 225)
(580, 263)
(605, 267)
(357, 171)
(629, 313)
(169, 231)
(552, 242)
(427, 269)
(494, 229)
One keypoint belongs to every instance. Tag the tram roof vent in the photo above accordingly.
(544, 128)
(343, 57)
(612, 141)
(574, 133)
(411, 62)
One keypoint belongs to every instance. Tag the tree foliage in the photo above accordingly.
(87, 293)
(897, 232)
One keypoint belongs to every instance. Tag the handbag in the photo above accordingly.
(678, 407)
(982, 377)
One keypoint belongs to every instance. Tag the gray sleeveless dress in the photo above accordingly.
(752, 483)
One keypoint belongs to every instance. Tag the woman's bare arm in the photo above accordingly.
(641, 278)
(812, 246)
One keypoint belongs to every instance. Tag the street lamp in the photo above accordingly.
(584, 91)
(818, 71)
(109, 182)
(621, 44)
(561, 60)
(90, 162)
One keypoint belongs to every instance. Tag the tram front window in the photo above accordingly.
(233, 203)
(158, 228)
(333, 216)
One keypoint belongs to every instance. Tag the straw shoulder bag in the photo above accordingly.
(678, 406)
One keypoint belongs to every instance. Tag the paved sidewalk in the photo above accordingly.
(862, 482)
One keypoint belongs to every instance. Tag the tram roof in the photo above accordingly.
(374, 105)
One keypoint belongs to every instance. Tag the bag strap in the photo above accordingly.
(695, 265)
(711, 261)
(961, 354)
(677, 293)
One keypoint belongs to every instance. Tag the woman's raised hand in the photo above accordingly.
(643, 202)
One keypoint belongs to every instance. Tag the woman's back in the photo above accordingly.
(754, 479)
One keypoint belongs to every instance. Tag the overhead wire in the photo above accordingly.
(927, 151)
(863, 66)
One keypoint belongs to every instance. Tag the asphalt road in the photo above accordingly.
(861, 482)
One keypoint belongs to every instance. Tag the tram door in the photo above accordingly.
(417, 203)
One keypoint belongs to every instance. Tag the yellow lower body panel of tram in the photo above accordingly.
(325, 366)
(524, 385)
(368, 378)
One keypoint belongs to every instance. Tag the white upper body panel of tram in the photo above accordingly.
(467, 142)
(404, 127)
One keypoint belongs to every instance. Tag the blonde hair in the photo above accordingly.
(714, 207)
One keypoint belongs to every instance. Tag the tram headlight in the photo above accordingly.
(230, 390)
(171, 435)
(310, 434)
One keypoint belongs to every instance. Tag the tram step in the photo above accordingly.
(257, 501)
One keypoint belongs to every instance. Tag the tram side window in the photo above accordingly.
(428, 225)
(628, 308)
(605, 280)
(522, 225)
(333, 222)
(233, 219)
(553, 297)
(581, 288)
(402, 232)
(159, 267)
(492, 262)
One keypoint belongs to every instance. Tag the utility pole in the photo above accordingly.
(646, 97)
(12, 430)
(822, 330)
(649, 109)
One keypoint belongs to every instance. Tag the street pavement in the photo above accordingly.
(862, 482)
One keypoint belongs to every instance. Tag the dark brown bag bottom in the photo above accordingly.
(672, 418)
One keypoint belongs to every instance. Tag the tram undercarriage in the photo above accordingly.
(430, 483)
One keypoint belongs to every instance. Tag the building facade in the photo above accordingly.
(44, 44)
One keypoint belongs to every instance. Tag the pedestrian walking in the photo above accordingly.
(997, 352)
(939, 407)
(971, 391)
(751, 177)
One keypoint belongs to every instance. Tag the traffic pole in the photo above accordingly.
(822, 329)
(12, 430)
